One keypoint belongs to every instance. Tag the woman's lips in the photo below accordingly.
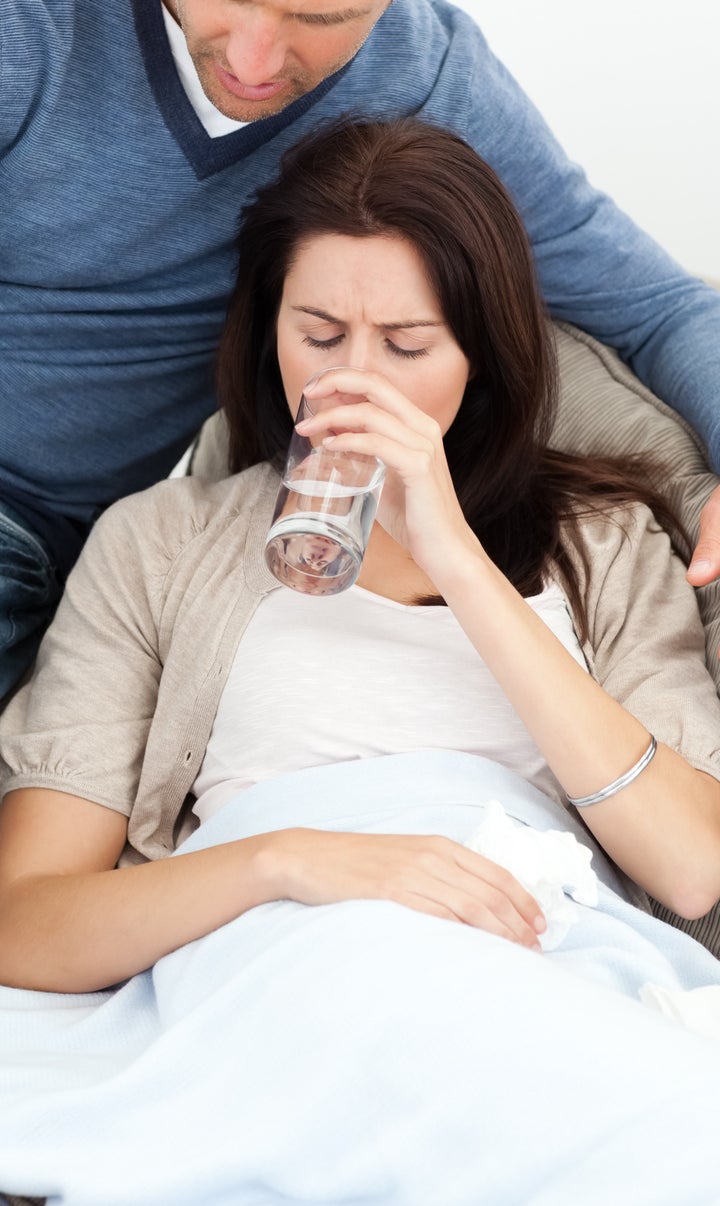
(251, 92)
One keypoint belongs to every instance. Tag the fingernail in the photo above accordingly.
(701, 564)
(539, 924)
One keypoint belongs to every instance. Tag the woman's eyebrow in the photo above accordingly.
(413, 322)
(385, 326)
(315, 313)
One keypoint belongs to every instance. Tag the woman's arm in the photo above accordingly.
(663, 829)
(71, 922)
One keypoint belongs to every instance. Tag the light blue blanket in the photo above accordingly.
(363, 1053)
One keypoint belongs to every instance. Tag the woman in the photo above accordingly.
(176, 676)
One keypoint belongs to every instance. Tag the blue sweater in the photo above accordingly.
(117, 219)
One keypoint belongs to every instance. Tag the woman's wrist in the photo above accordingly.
(275, 867)
(462, 566)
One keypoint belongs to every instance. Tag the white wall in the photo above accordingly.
(632, 90)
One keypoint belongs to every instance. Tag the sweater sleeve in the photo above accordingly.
(597, 269)
(35, 39)
(81, 724)
(646, 642)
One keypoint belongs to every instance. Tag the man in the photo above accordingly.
(130, 136)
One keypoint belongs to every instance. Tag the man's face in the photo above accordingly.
(255, 57)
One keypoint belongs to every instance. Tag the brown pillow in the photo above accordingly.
(603, 408)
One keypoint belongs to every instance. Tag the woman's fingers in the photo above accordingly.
(370, 388)
(411, 451)
(412, 427)
(483, 918)
(503, 882)
(477, 889)
(408, 462)
(361, 383)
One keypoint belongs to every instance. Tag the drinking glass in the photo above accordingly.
(325, 509)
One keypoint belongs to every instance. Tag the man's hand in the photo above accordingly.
(705, 564)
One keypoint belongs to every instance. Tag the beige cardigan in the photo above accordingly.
(129, 676)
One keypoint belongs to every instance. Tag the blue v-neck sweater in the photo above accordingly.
(118, 214)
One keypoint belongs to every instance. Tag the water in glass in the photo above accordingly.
(321, 525)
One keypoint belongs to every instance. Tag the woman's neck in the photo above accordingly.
(389, 570)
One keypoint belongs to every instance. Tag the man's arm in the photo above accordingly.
(601, 272)
(597, 269)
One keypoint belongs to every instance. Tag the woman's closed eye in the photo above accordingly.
(335, 340)
(322, 343)
(406, 353)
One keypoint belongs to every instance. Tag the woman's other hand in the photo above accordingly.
(431, 874)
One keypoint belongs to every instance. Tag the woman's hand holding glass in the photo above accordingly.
(419, 507)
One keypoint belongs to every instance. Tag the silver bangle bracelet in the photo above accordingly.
(618, 784)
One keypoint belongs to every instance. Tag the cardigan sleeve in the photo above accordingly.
(80, 724)
(646, 641)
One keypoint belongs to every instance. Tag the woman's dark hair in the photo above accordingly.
(409, 179)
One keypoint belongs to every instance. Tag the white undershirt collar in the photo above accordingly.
(215, 122)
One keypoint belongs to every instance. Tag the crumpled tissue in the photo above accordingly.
(550, 864)
(696, 1008)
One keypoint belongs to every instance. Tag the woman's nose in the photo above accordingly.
(361, 354)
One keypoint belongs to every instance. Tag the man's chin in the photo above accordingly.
(256, 110)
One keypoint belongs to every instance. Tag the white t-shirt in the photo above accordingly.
(215, 122)
(354, 675)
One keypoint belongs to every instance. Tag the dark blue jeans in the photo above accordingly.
(29, 594)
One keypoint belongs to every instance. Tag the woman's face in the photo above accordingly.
(367, 303)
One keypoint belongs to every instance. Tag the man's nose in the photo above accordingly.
(256, 48)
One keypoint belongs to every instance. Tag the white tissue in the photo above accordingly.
(550, 864)
(696, 1008)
